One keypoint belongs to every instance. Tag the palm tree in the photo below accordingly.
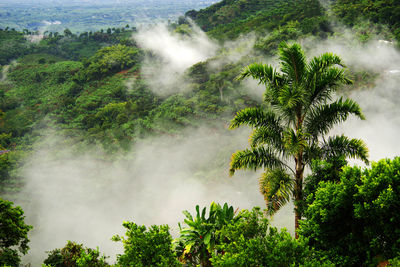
(290, 128)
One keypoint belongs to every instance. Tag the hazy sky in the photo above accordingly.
(150, 2)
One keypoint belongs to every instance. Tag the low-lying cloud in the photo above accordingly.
(79, 197)
(171, 55)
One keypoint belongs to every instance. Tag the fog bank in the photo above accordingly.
(76, 197)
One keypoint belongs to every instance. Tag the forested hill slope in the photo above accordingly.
(78, 82)
(378, 11)
(67, 78)
(230, 18)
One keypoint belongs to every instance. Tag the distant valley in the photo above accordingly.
(79, 16)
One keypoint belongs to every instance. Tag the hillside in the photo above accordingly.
(230, 19)
(290, 20)
(66, 80)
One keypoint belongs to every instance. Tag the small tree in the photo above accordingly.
(146, 247)
(67, 32)
(75, 255)
(13, 234)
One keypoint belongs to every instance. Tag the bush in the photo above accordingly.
(75, 255)
(109, 60)
(250, 241)
(198, 240)
(146, 247)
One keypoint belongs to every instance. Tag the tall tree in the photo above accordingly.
(290, 128)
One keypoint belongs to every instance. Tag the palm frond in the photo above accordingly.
(323, 85)
(337, 146)
(259, 157)
(290, 97)
(322, 74)
(267, 136)
(321, 119)
(321, 63)
(262, 72)
(256, 117)
(277, 188)
(312, 151)
(293, 62)
(295, 141)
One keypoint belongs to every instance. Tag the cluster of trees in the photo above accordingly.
(385, 12)
(350, 219)
(66, 45)
(288, 20)
(228, 20)
(12, 45)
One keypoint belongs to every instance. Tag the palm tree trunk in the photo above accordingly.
(298, 192)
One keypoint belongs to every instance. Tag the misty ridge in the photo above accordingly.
(73, 196)
(132, 124)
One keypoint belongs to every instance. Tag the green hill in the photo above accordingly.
(229, 19)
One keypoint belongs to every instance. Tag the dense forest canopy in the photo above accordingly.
(105, 122)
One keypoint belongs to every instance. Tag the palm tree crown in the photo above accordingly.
(290, 128)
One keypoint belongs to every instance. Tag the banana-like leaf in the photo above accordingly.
(207, 239)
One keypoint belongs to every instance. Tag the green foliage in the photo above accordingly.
(321, 171)
(12, 45)
(173, 113)
(229, 19)
(197, 242)
(109, 60)
(395, 262)
(9, 161)
(271, 42)
(379, 11)
(146, 247)
(73, 47)
(75, 255)
(13, 234)
(250, 241)
(352, 221)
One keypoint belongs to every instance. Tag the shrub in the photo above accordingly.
(75, 255)
(146, 247)
(250, 241)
